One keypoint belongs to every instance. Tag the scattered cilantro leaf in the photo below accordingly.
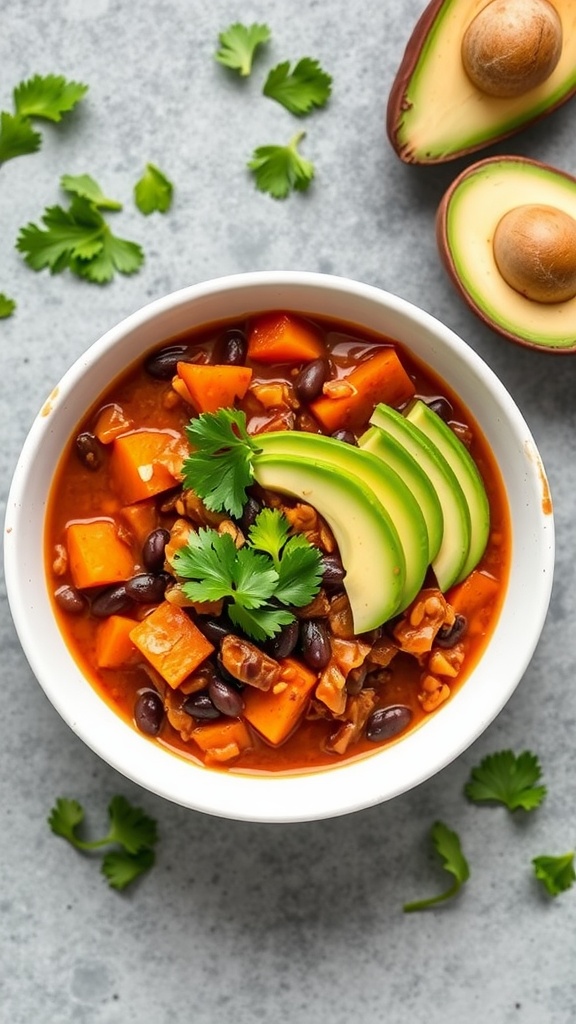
(7, 306)
(85, 186)
(47, 96)
(219, 468)
(120, 868)
(447, 845)
(17, 137)
(153, 192)
(300, 89)
(238, 45)
(129, 828)
(279, 170)
(508, 779)
(116, 254)
(556, 873)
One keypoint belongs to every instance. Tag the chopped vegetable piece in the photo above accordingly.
(97, 556)
(280, 170)
(477, 591)
(47, 96)
(301, 89)
(556, 873)
(146, 462)
(380, 378)
(228, 735)
(508, 779)
(17, 137)
(275, 713)
(114, 648)
(447, 845)
(140, 518)
(172, 644)
(153, 193)
(7, 306)
(283, 338)
(111, 423)
(238, 45)
(214, 387)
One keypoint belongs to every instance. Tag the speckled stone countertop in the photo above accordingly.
(286, 923)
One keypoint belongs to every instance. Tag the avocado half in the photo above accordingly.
(466, 221)
(435, 113)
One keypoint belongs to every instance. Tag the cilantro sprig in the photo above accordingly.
(556, 873)
(298, 89)
(131, 832)
(507, 779)
(260, 581)
(238, 46)
(219, 468)
(280, 170)
(46, 97)
(153, 192)
(447, 845)
(7, 306)
(79, 238)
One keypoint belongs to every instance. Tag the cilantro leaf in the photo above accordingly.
(120, 868)
(300, 89)
(130, 826)
(238, 45)
(7, 306)
(269, 532)
(259, 623)
(504, 778)
(115, 254)
(218, 569)
(299, 572)
(64, 817)
(85, 186)
(17, 137)
(556, 873)
(47, 96)
(153, 191)
(280, 169)
(447, 845)
(219, 468)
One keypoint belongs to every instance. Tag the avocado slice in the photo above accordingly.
(367, 539)
(466, 470)
(449, 561)
(393, 454)
(436, 113)
(384, 483)
(467, 218)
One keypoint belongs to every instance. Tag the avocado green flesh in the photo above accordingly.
(438, 113)
(367, 540)
(449, 561)
(393, 454)
(465, 469)
(470, 217)
(390, 490)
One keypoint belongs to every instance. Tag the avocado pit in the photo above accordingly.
(535, 252)
(512, 46)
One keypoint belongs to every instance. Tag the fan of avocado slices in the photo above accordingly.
(475, 72)
(506, 233)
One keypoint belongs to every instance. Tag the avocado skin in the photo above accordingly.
(399, 100)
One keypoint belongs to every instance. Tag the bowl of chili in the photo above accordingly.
(288, 544)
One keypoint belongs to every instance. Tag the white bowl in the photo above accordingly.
(390, 770)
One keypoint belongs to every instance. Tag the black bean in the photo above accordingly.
(384, 723)
(231, 348)
(69, 599)
(214, 629)
(333, 572)
(346, 436)
(90, 450)
(225, 697)
(251, 509)
(309, 382)
(447, 636)
(315, 643)
(111, 601)
(284, 643)
(146, 588)
(200, 706)
(162, 364)
(153, 549)
(441, 406)
(149, 712)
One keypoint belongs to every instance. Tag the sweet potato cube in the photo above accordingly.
(223, 740)
(96, 555)
(114, 648)
(171, 642)
(275, 713)
(145, 463)
(284, 338)
(214, 387)
(380, 378)
(140, 518)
